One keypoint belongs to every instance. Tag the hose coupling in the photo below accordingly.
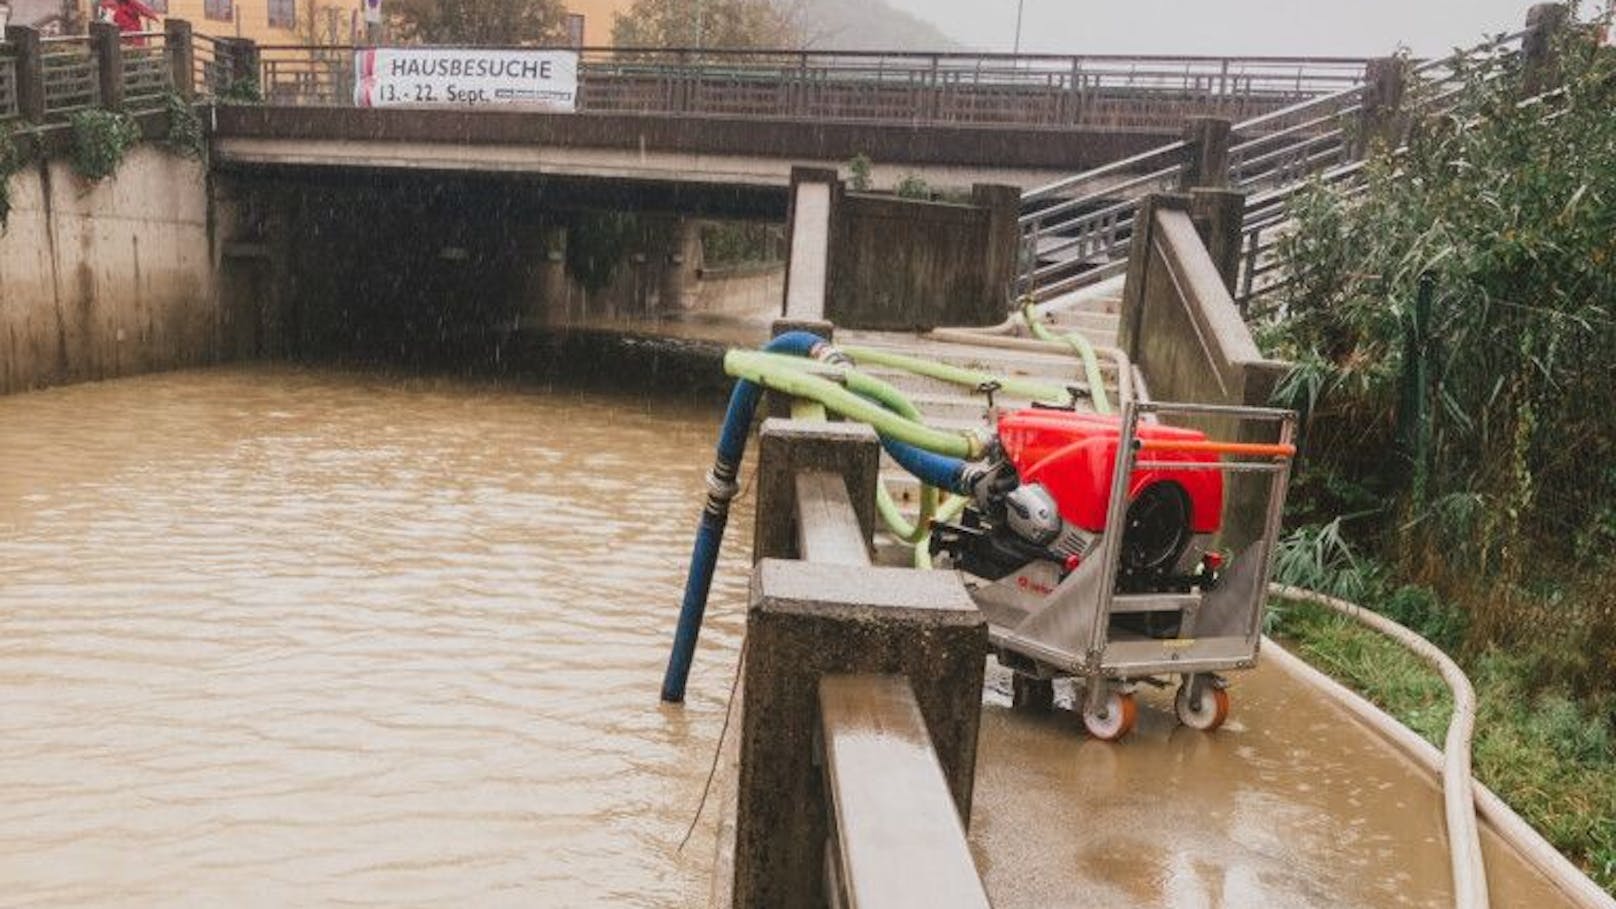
(826, 352)
(721, 487)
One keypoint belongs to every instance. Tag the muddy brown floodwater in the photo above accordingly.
(277, 636)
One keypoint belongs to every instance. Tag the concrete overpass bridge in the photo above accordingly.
(739, 121)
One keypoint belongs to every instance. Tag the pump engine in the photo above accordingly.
(1044, 498)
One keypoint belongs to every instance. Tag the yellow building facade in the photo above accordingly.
(323, 22)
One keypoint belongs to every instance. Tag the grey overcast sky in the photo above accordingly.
(1315, 27)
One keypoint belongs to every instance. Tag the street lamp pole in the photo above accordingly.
(1019, 5)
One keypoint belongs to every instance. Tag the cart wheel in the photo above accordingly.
(1031, 693)
(1206, 716)
(1116, 719)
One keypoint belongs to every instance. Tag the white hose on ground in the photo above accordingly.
(1459, 808)
(1514, 831)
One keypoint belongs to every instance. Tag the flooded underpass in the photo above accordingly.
(279, 635)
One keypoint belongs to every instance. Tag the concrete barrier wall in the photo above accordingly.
(1181, 327)
(108, 279)
(909, 264)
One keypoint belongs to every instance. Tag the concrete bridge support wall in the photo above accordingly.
(876, 261)
(107, 279)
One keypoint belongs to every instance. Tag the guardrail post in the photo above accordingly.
(815, 195)
(1003, 251)
(1219, 215)
(106, 46)
(1207, 159)
(1544, 23)
(1381, 119)
(786, 447)
(181, 50)
(807, 620)
(24, 41)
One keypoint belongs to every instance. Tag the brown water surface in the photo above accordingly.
(281, 637)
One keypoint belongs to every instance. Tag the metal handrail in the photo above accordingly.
(1105, 170)
(1288, 145)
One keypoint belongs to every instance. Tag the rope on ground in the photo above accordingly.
(1458, 795)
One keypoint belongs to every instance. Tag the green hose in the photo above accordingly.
(869, 386)
(794, 380)
(1021, 388)
(1084, 350)
(949, 511)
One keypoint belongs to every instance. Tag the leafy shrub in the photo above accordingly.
(185, 136)
(101, 139)
(912, 187)
(12, 160)
(1509, 205)
(858, 170)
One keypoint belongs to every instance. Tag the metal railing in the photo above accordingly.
(1075, 232)
(8, 82)
(1332, 155)
(72, 79)
(213, 65)
(1040, 91)
(147, 73)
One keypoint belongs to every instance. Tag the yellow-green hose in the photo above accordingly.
(1084, 350)
(762, 369)
(1021, 388)
(859, 383)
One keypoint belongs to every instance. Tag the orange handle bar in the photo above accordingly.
(1221, 448)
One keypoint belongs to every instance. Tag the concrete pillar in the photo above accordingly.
(815, 195)
(1207, 159)
(807, 620)
(181, 49)
(544, 276)
(1219, 216)
(1139, 256)
(106, 45)
(1002, 252)
(1545, 22)
(1381, 120)
(786, 447)
(680, 265)
(244, 64)
(25, 47)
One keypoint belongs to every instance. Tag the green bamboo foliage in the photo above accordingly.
(1509, 206)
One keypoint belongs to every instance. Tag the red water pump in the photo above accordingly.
(1072, 591)
(1048, 495)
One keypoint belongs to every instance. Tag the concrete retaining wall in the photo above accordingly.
(908, 264)
(109, 279)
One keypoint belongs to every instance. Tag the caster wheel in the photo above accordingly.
(1114, 720)
(1029, 693)
(1206, 716)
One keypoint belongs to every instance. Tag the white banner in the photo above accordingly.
(445, 77)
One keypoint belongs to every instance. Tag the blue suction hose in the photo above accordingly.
(939, 471)
(721, 488)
